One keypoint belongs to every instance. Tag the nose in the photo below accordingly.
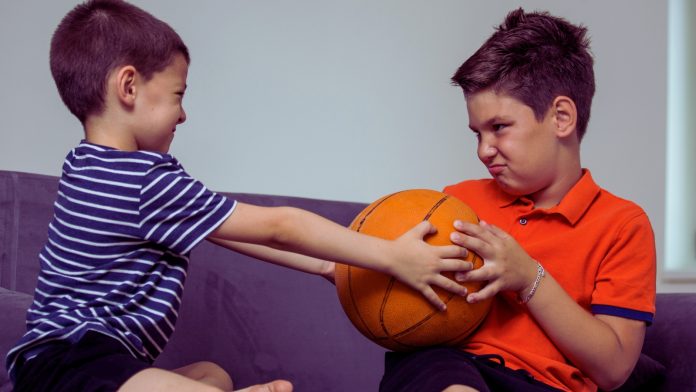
(486, 148)
(182, 116)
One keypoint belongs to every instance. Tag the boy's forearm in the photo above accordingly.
(603, 351)
(325, 239)
(292, 260)
(299, 231)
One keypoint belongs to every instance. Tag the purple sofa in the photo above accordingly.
(262, 322)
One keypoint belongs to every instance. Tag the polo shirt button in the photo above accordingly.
(523, 221)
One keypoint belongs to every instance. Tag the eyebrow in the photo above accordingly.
(492, 120)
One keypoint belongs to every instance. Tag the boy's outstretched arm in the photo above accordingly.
(603, 347)
(283, 258)
(408, 258)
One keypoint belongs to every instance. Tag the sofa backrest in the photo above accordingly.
(26, 207)
(257, 320)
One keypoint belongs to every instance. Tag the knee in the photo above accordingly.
(218, 373)
(459, 388)
(209, 373)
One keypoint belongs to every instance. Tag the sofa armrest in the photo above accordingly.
(13, 309)
(671, 339)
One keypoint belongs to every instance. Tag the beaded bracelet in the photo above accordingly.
(540, 274)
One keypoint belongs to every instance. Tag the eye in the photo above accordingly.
(476, 134)
(498, 127)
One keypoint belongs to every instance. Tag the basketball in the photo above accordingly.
(387, 311)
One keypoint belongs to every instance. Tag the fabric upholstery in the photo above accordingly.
(13, 309)
(260, 321)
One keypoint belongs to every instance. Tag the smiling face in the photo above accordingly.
(523, 155)
(158, 106)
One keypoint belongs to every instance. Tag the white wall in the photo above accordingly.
(348, 99)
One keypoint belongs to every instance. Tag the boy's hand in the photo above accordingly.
(419, 264)
(506, 265)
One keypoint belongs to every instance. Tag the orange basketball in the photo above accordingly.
(387, 311)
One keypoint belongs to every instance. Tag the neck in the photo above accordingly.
(99, 130)
(552, 196)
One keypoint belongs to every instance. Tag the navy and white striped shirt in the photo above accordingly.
(117, 252)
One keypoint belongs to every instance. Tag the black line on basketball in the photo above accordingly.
(430, 315)
(350, 268)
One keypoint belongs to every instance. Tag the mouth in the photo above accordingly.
(496, 169)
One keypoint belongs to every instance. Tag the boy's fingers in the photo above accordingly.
(424, 228)
(450, 285)
(475, 244)
(498, 232)
(433, 298)
(455, 265)
(483, 231)
(466, 227)
(488, 291)
(450, 251)
(477, 275)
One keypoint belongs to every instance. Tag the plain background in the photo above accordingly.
(349, 99)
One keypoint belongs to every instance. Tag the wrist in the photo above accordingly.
(526, 294)
(328, 271)
(386, 260)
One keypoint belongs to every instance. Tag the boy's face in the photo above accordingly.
(521, 153)
(158, 107)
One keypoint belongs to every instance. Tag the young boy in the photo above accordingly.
(571, 267)
(127, 216)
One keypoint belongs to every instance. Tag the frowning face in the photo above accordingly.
(520, 152)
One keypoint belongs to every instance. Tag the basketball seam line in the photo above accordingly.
(389, 289)
(350, 280)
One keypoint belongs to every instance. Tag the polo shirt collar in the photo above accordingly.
(573, 205)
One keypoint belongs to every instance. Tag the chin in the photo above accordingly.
(511, 188)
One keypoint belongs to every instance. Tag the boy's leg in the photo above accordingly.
(459, 388)
(155, 380)
(100, 363)
(159, 380)
(212, 374)
(207, 373)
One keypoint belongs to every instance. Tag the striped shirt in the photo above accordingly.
(117, 252)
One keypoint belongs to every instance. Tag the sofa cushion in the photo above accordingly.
(13, 308)
(647, 376)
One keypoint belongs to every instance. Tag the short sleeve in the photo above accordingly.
(177, 211)
(625, 284)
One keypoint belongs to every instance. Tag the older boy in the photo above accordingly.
(127, 216)
(571, 266)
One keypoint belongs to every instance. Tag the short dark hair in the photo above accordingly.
(534, 57)
(98, 36)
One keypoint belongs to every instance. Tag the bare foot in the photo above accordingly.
(275, 386)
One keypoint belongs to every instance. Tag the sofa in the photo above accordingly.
(262, 322)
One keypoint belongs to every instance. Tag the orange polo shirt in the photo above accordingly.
(599, 247)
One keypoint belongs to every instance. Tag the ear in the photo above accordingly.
(565, 116)
(125, 84)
